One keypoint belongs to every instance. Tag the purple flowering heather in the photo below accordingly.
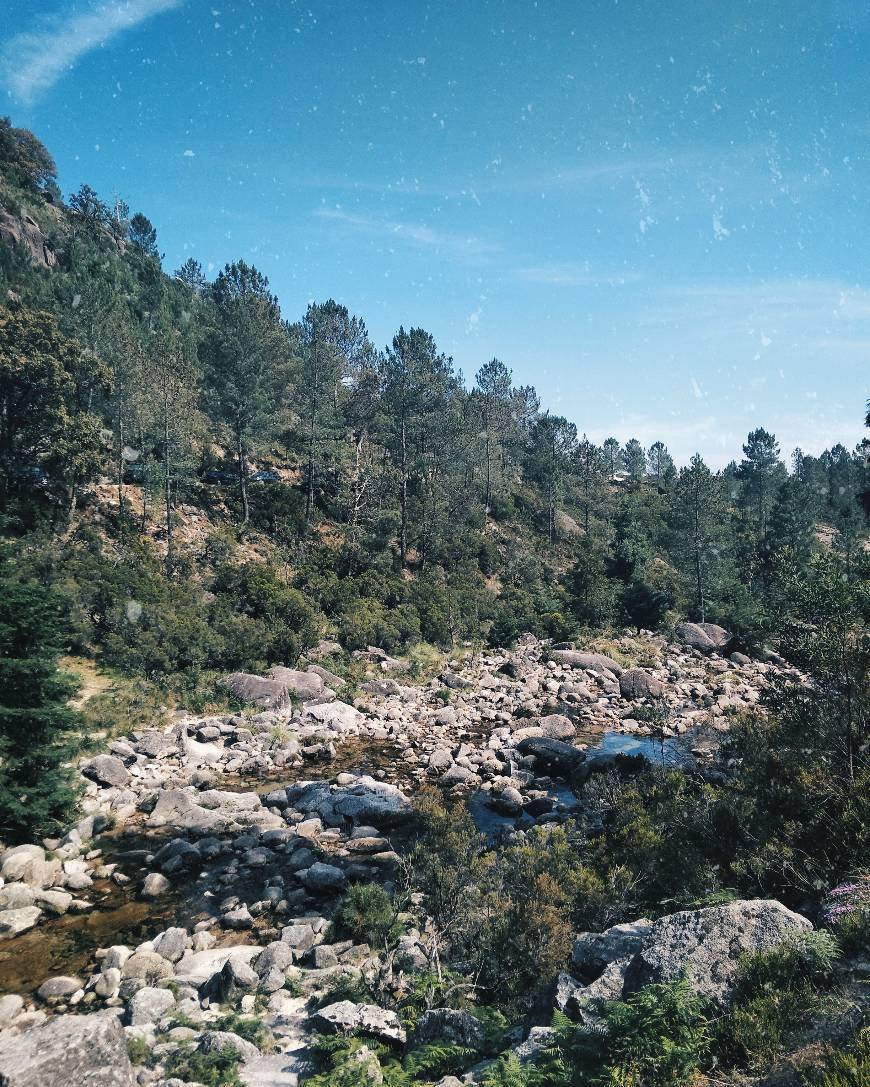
(846, 898)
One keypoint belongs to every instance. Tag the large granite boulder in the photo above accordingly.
(269, 693)
(212, 811)
(595, 662)
(636, 683)
(25, 232)
(708, 944)
(363, 802)
(706, 637)
(593, 951)
(107, 770)
(345, 1016)
(304, 685)
(80, 1050)
(446, 1024)
(336, 716)
(555, 755)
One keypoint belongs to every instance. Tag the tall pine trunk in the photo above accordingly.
(167, 482)
(312, 428)
(243, 476)
(403, 532)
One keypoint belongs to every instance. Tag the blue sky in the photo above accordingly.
(656, 213)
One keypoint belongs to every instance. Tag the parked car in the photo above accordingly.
(215, 476)
(265, 475)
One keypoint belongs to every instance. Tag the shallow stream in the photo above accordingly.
(67, 945)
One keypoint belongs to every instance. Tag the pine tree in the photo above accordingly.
(700, 513)
(660, 465)
(246, 355)
(37, 796)
(761, 474)
(143, 236)
(492, 393)
(635, 460)
(644, 605)
(551, 448)
(589, 466)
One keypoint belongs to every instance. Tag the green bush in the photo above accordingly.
(247, 1027)
(845, 1067)
(807, 958)
(210, 1069)
(138, 1050)
(775, 991)
(658, 1037)
(368, 913)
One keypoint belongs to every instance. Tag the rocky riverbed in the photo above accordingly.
(213, 850)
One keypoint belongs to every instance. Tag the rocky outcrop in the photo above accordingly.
(366, 801)
(345, 1016)
(85, 1051)
(26, 232)
(636, 683)
(596, 662)
(708, 944)
(211, 812)
(704, 945)
(555, 754)
(304, 685)
(706, 637)
(106, 770)
(268, 693)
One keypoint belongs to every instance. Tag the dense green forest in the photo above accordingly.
(211, 485)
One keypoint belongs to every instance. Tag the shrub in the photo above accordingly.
(846, 1067)
(805, 959)
(847, 911)
(775, 991)
(369, 915)
(658, 1037)
(138, 1050)
(247, 1027)
(210, 1069)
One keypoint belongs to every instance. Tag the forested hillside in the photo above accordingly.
(214, 484)
(589, 725)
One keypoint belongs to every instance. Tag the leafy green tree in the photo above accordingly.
(334, 349)
(46, 384)
(589, 471)
(612, 453)
(761, 474)
(791, 524)
(25, 158)
(417, 382)
(37, 795)
(644, 605)
(89, 210)
(246, 359)
(192, 276)
(591, 593)
(660, 465)
(172, 414)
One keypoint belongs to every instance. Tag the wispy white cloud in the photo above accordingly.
(416, 234)
(33, 61)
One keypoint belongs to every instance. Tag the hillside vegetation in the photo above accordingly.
(462, 585)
